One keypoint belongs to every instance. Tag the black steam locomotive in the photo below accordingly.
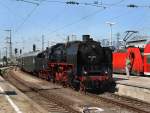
(79, 64)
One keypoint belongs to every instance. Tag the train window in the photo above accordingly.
(41, 55)
(148, 59)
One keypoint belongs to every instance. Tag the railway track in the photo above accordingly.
(134, 104)
(131, 104)
(39, 96)
(125, 102)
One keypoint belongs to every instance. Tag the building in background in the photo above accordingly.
(138, 41)
(105, 42)
(135, 41)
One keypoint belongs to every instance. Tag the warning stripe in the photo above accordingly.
(15, 107)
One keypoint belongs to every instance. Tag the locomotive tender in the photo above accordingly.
(80, 64)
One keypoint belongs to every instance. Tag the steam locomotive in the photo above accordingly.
(83, 65)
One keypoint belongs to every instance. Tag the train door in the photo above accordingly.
(136, 60)
(147, 60)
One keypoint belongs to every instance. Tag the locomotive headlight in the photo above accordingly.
(106, 72)
(85, 73)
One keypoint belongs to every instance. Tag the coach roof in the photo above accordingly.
(33, 53)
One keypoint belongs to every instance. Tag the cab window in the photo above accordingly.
(41, 55)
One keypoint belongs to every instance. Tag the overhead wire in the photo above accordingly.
(27, 17)
(140, 23)
(54, 18)
(79, 20)
(117, 3)
(28, 2)
(52, 1)
(85, 17)
(55, 1)
(70, 24)
(10, 10)
(72, 3)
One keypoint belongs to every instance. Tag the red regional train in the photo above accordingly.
(139, 57)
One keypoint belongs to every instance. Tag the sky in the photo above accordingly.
(56, 20)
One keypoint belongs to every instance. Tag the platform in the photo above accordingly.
(136, 86)
(13, 101)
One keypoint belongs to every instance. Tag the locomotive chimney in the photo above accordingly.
(86, 38)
